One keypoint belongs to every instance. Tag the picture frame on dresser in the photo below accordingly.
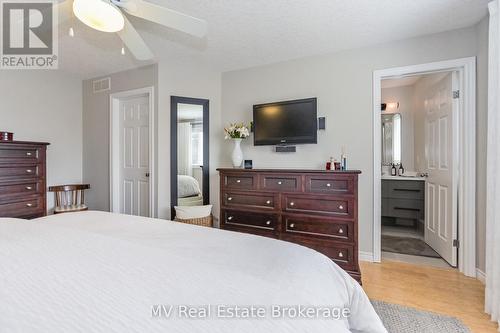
(23, 186)
(314, 208)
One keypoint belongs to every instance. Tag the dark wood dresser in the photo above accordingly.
(317, 209)
(22, 179)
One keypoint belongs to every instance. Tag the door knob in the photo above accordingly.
(147, 174)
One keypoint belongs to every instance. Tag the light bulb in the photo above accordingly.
(99, 15)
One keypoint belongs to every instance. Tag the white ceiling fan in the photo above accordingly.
(107, 16)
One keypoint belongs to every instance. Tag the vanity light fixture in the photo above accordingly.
(393, 106)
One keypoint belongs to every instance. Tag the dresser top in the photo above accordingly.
(233, 170)
(24, 143)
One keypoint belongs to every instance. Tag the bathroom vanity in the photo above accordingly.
(403, 197)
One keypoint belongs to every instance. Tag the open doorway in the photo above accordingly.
(424, 163)
(419, 116)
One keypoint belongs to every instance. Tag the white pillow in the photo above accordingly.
(192, 212)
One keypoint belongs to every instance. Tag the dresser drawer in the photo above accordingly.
(250, 199)
(242, 182)
(403, 208)
(403, 189)
(21, 155)
(19, 171)
(282, 183)
(23, 208)
(20, 189)
(341, 254)
(326, 228)
(329, 184)
(250, 219)
(335, 206)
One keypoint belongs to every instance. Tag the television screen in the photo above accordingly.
(290, 122)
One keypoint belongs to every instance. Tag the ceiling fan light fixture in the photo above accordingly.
(99, 14)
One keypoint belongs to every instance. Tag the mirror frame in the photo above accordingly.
(174, 101)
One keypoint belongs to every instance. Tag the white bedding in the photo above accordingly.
(102, 272)
(187, 186)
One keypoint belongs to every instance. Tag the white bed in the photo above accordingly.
(102, 272)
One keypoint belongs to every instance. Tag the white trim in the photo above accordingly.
(467, 168)
(365, 256)
(481, 276)
(114, 100)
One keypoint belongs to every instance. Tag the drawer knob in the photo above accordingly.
(268, 222)
(29, 205)
(341, 207)
(341, 255)
(28, 154)
(29, 171)
(268, 202)
(279, 183)
(292, 203)
(229, 199)
(341, 231)
(29, 188)
(292, 225)
(328, 185)
(229, 218)
(238, 181)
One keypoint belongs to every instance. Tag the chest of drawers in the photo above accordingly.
(313, 208)
(22, 179)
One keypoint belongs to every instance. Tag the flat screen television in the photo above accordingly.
(289, 122)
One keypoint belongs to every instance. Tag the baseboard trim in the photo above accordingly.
(480, 275)
(366, 256)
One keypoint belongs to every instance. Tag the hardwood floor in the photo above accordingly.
(440, 290)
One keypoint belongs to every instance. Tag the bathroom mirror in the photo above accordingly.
(391, 138)
(189, 152)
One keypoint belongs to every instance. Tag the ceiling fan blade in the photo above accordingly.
(134, 42)
(164, 16)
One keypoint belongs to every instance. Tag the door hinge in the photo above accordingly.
(456, 243)
(456, 94)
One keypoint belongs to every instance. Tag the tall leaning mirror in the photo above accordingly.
(189, 152)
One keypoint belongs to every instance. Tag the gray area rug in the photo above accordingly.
(401, 319)
(407, 245)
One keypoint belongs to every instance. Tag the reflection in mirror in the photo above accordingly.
(189, 154)
(391, 138)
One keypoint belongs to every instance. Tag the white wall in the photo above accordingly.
(403, 96)
(46, 106)
(343, 84)
(187, 80)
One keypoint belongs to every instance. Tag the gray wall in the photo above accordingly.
(343, 84)
(96, 129)
(46, 106)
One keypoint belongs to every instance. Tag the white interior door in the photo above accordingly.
(441, 164)
(134, 156)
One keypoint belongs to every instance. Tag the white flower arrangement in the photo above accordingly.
(236, 131)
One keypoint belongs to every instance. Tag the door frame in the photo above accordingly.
(466, 68)
(174, 100)
(114, 152)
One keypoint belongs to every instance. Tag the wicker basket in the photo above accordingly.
(203, 221)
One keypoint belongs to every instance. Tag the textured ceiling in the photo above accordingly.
(246, 33)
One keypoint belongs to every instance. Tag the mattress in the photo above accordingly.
(103, 272)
